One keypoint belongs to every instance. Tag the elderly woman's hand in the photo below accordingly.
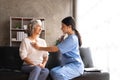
(35, 45)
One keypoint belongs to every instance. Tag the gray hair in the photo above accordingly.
(32, 25)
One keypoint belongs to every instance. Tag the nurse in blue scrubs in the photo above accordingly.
(71, 63)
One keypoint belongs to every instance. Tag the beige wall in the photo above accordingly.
(52, 10)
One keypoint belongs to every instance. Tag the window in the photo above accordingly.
(98, 21)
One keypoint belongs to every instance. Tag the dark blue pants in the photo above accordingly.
(36, 73)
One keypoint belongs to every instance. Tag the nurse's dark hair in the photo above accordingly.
(70, 21)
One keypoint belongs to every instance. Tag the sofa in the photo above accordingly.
(10, 65)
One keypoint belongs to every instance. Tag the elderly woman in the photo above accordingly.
(34, 60)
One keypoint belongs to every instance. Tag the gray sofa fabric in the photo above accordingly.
(10, 64)
(94, 76)
(85, 53)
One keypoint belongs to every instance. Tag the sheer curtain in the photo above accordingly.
(98, 21)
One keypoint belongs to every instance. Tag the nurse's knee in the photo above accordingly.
(52, 72)
(55, 72)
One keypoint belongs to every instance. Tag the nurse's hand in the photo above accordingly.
(35, 45)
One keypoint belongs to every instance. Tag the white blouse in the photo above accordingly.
(26, 50)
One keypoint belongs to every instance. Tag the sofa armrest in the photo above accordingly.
(85, 54)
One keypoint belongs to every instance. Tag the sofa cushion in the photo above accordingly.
(93, 76)
(54, 60)
(13, 75)
(85, 54)
(9, 58)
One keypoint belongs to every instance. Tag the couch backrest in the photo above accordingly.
(9, 58)
(53, 60)
(85, 54)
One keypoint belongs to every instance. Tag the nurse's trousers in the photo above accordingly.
(66, 72)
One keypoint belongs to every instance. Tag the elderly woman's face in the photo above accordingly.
(37, 29)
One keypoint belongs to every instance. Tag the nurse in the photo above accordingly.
(71, 63)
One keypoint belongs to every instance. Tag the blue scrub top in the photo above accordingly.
(69, 48)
